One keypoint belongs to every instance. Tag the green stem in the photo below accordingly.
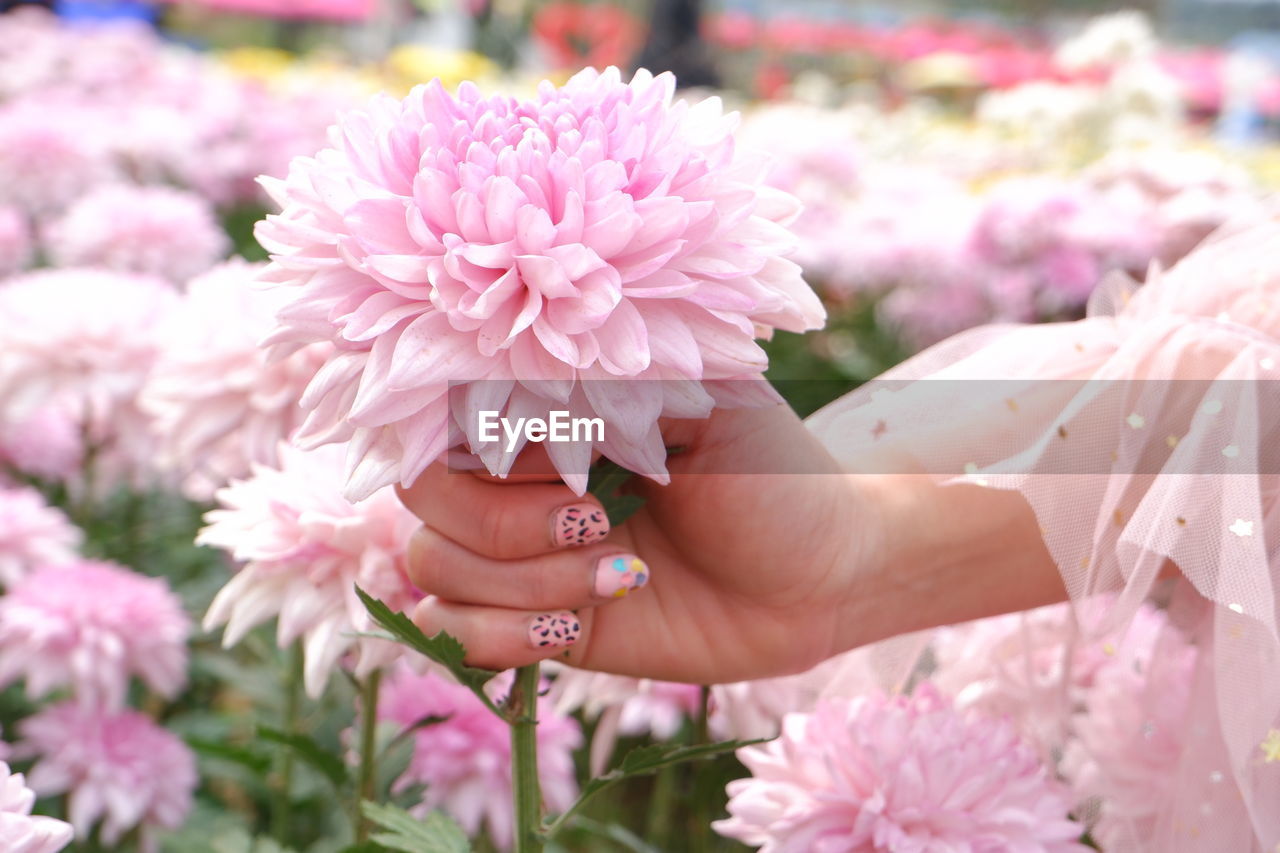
(283, 801)
(522, 708)
(368, 751)
(661, 806)
(700, 830)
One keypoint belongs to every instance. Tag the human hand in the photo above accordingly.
(739, 575)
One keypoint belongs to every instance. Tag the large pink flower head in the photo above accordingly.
(15, 241)
(156, 231)
(91, 626)
(305, 548)
(45, 443)
(597, 231)
(903, 774)
(83, 341)
(32, 535)
(20, 831)
(219, 403)
(465, 761)
(120, 768)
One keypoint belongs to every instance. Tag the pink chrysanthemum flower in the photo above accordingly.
(91, 626)
(623, 706)
(305, 548)
(597, 231)
(46, 158)
(45, 443)
(32, 535)
(902, 774)
(156, 231)
(1035, 667)
(83, 341)
(20, 831)
(218, 403)
(15, 241)
(465, 761)
(120, 768)
(1129, 742)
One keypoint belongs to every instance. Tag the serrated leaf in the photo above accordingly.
(605, 482)
(442, 648)
(644, 760)
(436, 833)
(306, 748)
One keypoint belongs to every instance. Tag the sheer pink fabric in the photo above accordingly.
(1166, 462)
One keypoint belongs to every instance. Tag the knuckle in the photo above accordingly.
(497, 532)
(423, 558)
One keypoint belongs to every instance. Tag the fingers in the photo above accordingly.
(504, 520)
(575, 577)
(500, 638)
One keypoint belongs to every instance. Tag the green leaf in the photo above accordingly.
(644, 760)
(442, 648)
(312, 753)
(605, 482)
(437, 833)
(241, 755)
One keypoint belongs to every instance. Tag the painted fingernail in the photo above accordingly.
(554, 629)
(578, 524)
(620, 574)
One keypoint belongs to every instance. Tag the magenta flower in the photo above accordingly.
(305, 548)
(91, 626)
(32, 535)
(218, 403)
(20, 831)
(465, 761)
(902, 774)
(156, 231)
(597, 231)
(119, 768)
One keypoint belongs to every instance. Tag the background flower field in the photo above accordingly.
(185, 664)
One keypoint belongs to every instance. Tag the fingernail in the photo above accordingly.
(554, 629)
(620, 574)
(578, 524)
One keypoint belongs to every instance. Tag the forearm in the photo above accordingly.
(944, 554)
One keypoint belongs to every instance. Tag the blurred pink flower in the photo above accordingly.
(32, 535)
(901, 773)
(47, 160)
(20, 831)
(1129, 741)
(156, 231)
(90, 626)
(15, 241)
(44, 443)
(83, 341)
(465, 761)
(305, 548)
(1035, 668)
(1062, 238)
(623, 707)
(219, 404)
(120, 768)
(597, 231)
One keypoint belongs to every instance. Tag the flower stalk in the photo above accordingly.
(368, 752)
(522, 714)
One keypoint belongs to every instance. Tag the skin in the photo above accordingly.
(753, 575)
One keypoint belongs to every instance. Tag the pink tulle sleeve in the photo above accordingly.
(1146, 438)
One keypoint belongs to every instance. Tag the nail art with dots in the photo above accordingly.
(619, 574)
(579, 524)
(550, 630)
